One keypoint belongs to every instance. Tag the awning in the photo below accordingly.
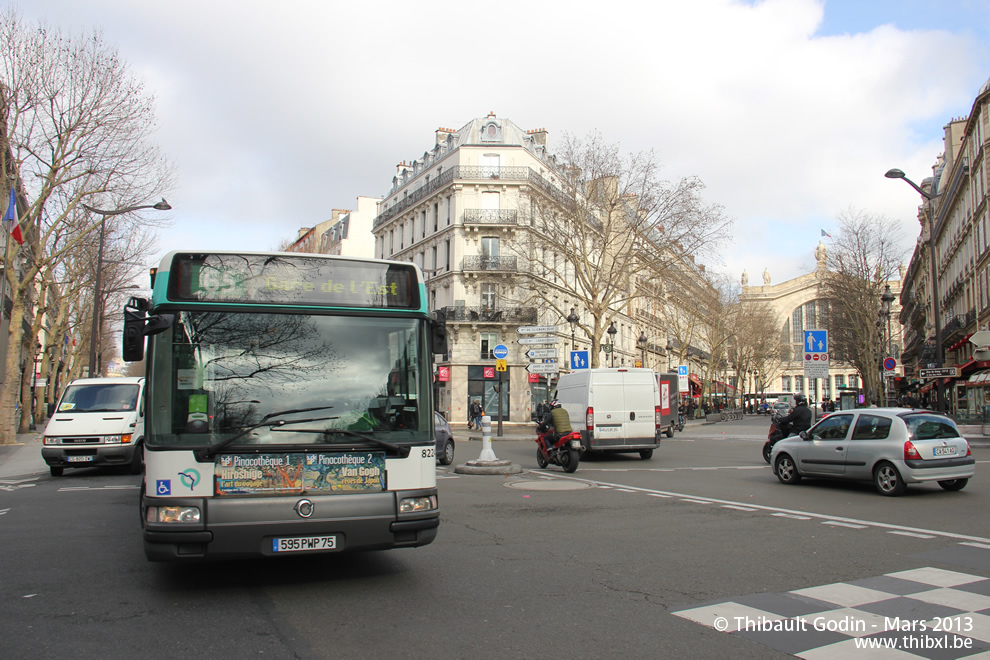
(979, 378)
(972, 365)
(694, 379)
(962, 342)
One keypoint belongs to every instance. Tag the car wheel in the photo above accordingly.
(786, 470)
(56, 471)
(953, 484)
(448, 453)
(670, 431)
(888, 480)
(646, 454)
(540, 460)
(137, 463)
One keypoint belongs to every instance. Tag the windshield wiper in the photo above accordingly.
(401, 450)
(214, 448)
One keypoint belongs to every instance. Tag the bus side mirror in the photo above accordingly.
(132, 344)
(438, 336)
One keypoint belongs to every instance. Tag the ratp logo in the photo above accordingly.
(189, 478)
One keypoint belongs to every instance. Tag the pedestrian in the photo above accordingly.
(476, 412)
(541, 411)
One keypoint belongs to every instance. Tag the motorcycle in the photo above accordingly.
(565, 451)
(680, 422)
(775, 434)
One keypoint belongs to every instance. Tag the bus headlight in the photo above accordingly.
(414, 504)
(172, 514)
(51, 440)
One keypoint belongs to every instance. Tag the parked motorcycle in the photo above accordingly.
(775, 434)
(565, 451)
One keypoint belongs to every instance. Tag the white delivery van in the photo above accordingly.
(615, 409)
(98, 421)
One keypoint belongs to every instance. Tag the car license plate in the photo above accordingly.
(79, 459)
(945, 451)
(609, 429)
(303, 543)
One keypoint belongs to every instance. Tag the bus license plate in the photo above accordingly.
(303, 543)
(79, 459)
(945, 451)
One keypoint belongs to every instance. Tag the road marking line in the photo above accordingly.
(625, 490)
(792, 516)
(790, 512)
(977, 545)
(657, 495)
(836, 523)
(688, 499)
(738, 508)
(926, 536)
(3, 511)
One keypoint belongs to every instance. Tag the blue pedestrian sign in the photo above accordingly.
(682, 370)
(816, 341)
(579, 360)
(500, 352)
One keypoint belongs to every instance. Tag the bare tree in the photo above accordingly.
(76, 129)
(610, 226)
(862, 258)
(756, 344)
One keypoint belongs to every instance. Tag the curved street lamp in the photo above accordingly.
(97, 287)
(643, 340)
(895, 173)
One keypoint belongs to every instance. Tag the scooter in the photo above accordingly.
(565, 452)
(775, 434)
(680, 422)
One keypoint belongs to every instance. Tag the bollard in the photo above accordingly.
(486, 440)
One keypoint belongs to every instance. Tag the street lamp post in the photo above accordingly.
(669, 347)
(97, 286)
(936, 317)
(885, 301)
(611, 341)
(643, 340)
(573, 319)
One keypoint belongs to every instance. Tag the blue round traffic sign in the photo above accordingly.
(500, 352)
(889, 364)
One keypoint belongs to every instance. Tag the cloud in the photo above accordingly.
(277, 116)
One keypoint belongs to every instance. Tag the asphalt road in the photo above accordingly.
(535, 565)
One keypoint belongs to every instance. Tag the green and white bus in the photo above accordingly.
(288, 402)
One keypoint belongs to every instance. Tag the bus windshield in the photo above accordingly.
(320, 379)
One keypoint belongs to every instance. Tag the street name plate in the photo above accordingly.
(536, 329)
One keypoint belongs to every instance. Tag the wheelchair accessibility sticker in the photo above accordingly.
(163, 487)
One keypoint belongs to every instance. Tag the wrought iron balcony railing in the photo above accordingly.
(473, 263)
(491, 216)
(481, 314)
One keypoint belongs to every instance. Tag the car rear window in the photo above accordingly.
(930, 427)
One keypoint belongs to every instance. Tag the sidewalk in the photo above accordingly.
(23, 458)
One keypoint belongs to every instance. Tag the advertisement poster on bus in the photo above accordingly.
(297, 473)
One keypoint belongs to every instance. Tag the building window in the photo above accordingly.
(489, 340)
(446, 254)
(488, 295)
(854, 382)
(785, 383)
(797, 327)
(436, 215)
(799, 383)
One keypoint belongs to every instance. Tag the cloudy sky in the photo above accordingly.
(789, 110)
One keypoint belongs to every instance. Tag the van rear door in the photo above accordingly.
(640, 403)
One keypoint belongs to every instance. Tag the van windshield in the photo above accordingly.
(99, 397)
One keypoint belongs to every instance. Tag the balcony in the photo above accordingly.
(477, 263)
(490, 217)
(508, 315)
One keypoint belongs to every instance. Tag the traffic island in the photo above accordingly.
(488, 463)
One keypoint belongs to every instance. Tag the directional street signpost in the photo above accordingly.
(542, 368)
(537, 329)
(982, 341)
(542, 353)
(944, 372)
(537, 341)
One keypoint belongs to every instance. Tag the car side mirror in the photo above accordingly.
(804, 435)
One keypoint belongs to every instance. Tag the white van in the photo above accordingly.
(615, 409)
(98, 421)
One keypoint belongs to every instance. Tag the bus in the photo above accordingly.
(288, 401)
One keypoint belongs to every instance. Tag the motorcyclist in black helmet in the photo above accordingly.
(557, 422)
(799, 419)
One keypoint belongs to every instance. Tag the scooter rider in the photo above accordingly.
(557, 418)
(799, 419)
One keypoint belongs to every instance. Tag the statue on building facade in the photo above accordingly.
(766, 276)
(745, 278)
(820, 255)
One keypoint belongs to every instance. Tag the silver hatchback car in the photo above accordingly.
(892, 447)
